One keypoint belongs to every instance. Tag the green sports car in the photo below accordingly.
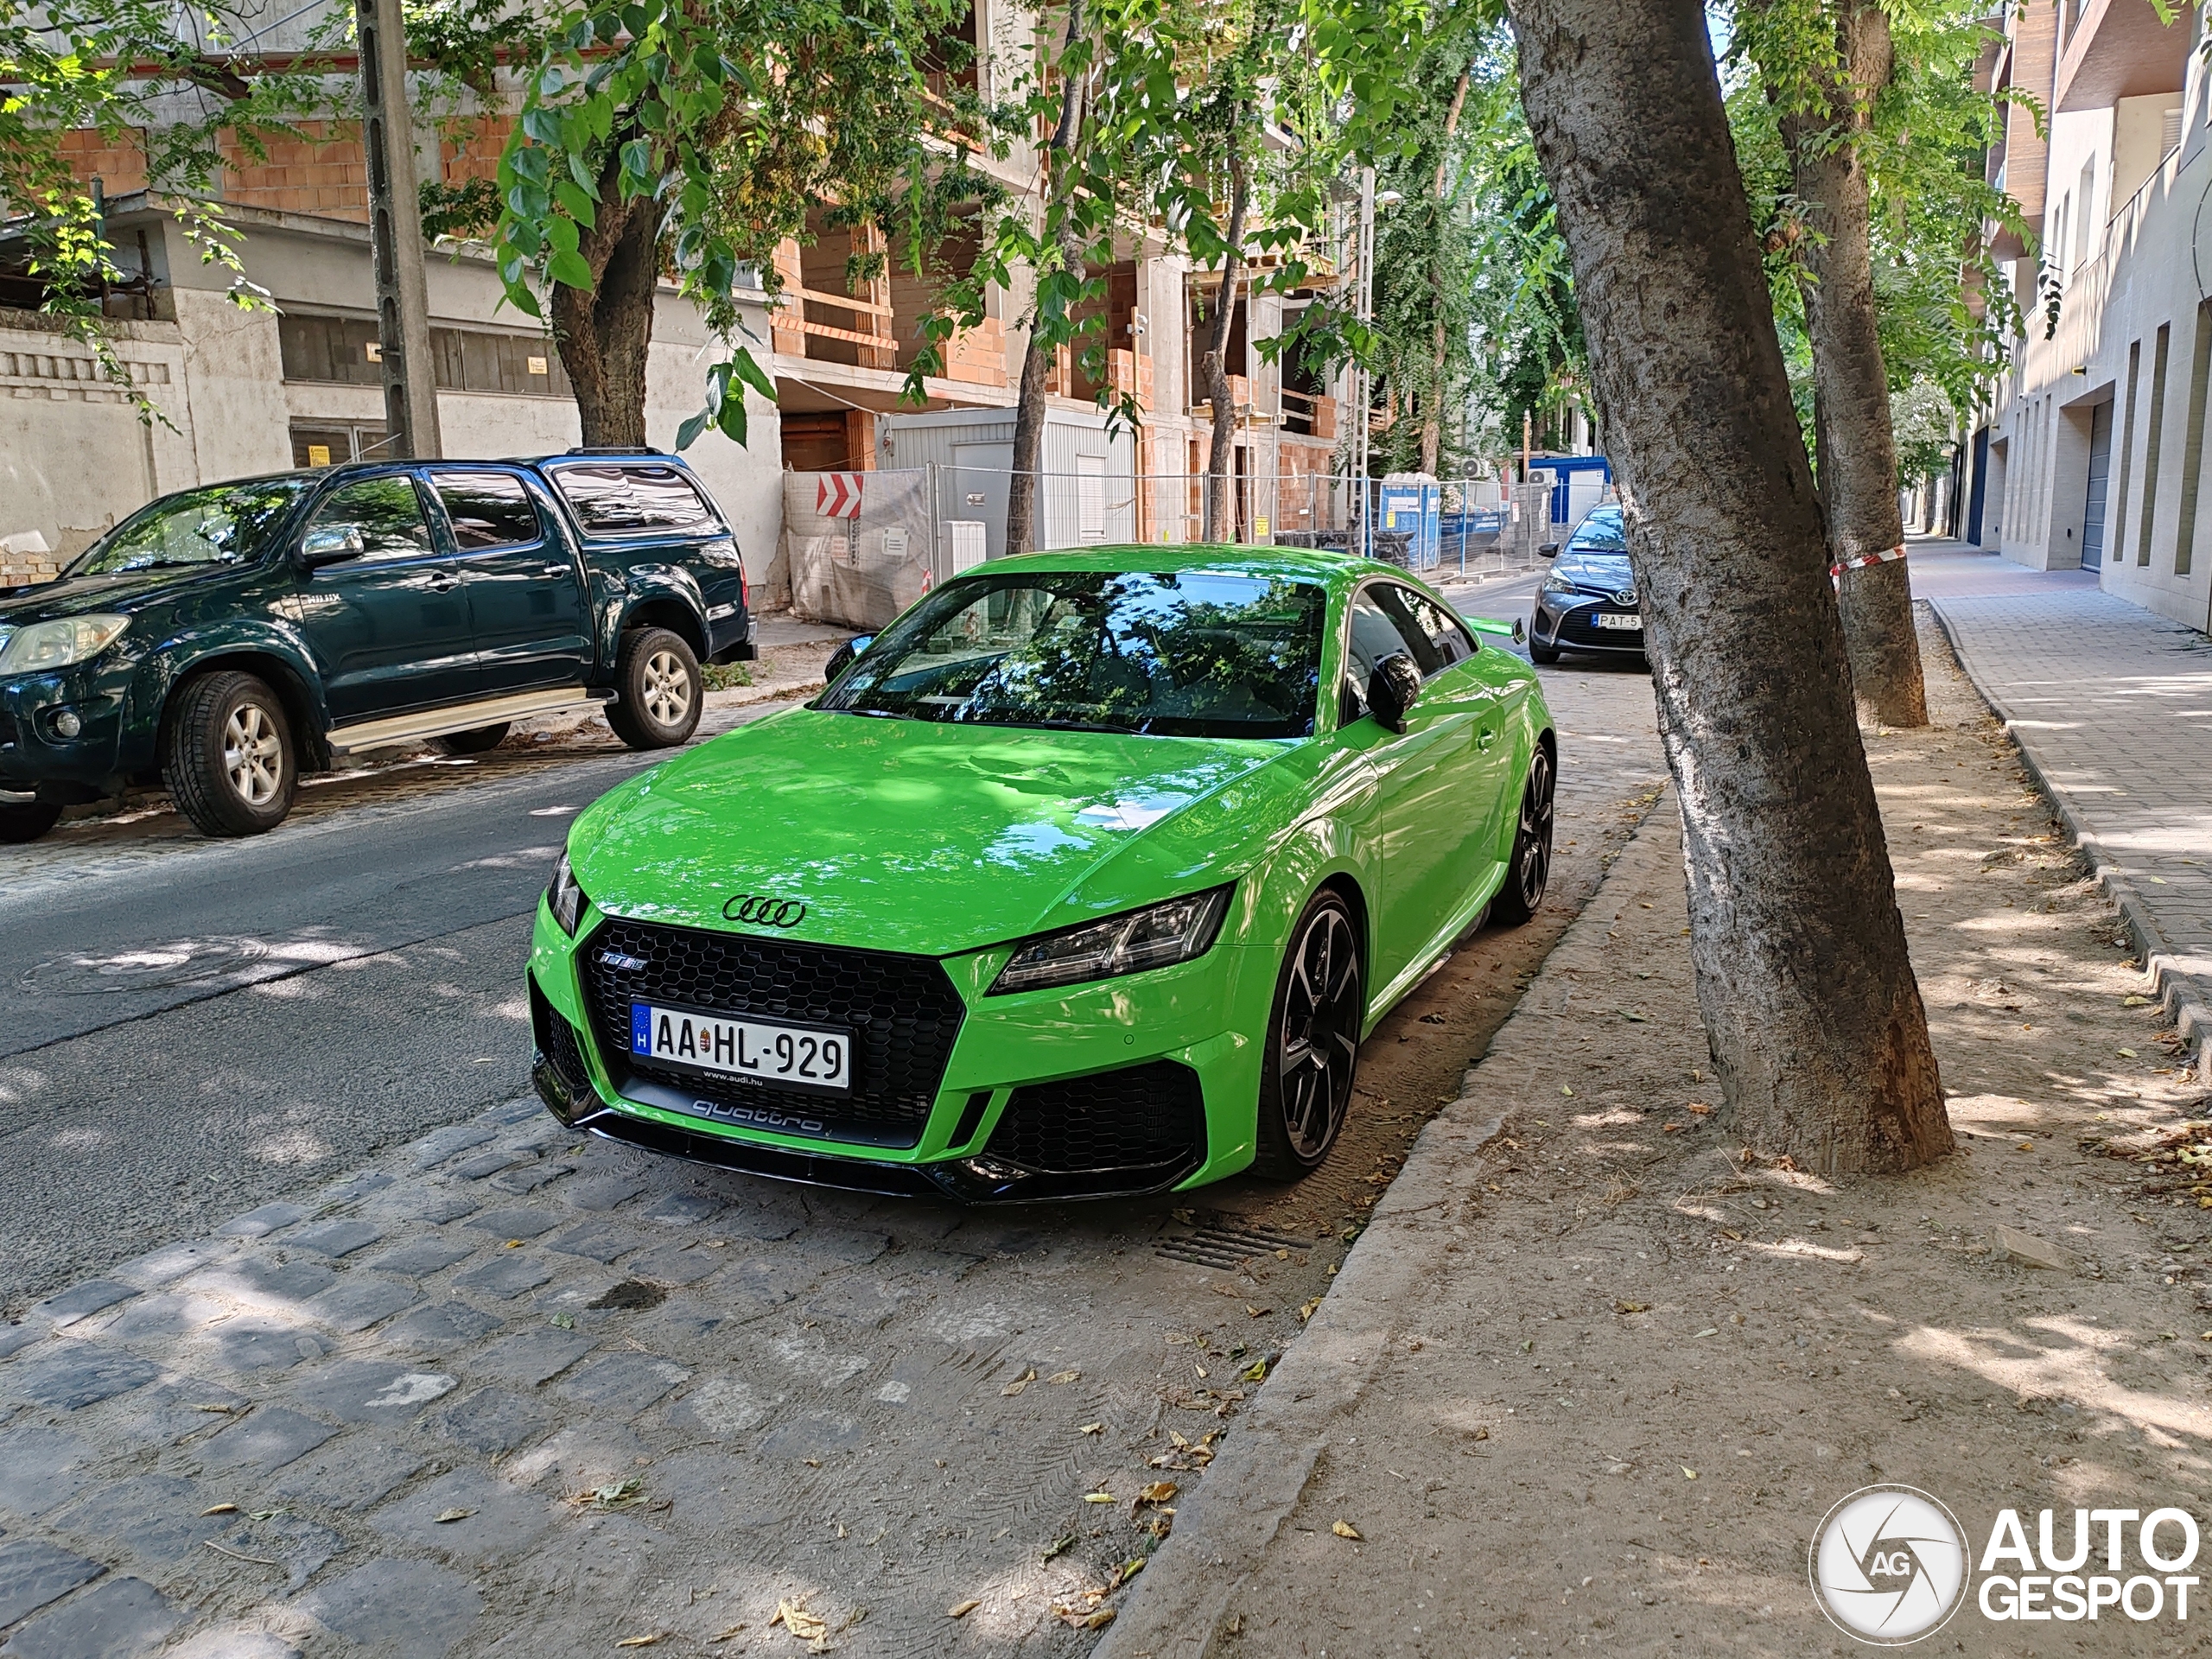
(1086, 877)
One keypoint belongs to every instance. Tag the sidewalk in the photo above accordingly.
(2112, 707)
(1589, 1383)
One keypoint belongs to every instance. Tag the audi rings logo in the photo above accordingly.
(762, 911)
(1889, 1565)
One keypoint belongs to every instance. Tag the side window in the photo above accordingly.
(1375, 634)
(632, 500)
(486, 509)
(386, 512)
(1446, 635)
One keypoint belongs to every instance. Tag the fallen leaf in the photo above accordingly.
(1482, 1433)
(794, 1617)
(266, 1515)
(1021, 1383)
(1309, 1308)
(511, 1244)
(1346, 1530)
(1159, 1492)
(1698, 1107)
(1059, 1545)
(447, 1515)
(1099, 1620)
(1710, 1330)
(2125, 1053)
(221, 1509)
(1098, 1497)
(1255, 1372)
(1091, 1428)
(1065, 1376)
(607, 1496)
(1688, 1473)
(1631, 1307)
(653, 1641)
(568, 1322)
(1670, 1129)
(962, 1609)
(1564, 1090)
(1257, 1313)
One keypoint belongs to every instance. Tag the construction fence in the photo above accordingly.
(862, 546)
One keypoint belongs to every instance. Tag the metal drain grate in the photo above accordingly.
(1224, 1244)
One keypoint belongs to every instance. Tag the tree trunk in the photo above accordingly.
(1213, 368)
(1432, 429)
(602, 334)
(1807, 996)
(1037, 357)
(1859, 477)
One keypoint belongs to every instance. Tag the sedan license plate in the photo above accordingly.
(1626, 624)
(798, 1057)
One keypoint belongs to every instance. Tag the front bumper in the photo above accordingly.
(1568, 624)
(1181, 1039)
(35, 755)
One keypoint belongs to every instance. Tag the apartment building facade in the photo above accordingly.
(297, 382)
(2094, 456)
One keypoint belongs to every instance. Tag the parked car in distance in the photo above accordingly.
(1588, 600)
(228, 639)
(1087, 876)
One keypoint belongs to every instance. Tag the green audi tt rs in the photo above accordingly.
(1086, 877)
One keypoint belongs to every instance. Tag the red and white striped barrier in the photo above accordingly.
(1865, 559)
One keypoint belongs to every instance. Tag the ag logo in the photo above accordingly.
(1889, 1565)
(763, 912)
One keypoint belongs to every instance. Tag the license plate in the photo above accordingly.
(1627, 623)
(798, 1057)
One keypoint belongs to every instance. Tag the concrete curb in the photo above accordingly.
(2186, 998)
(1236, 1512)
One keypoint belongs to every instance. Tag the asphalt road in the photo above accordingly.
(189, 1028)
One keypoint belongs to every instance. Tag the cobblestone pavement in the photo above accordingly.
(2111, 705)
(504, 1391)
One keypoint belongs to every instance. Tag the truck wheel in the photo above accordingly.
(230, 764)
(480, 741)
(27, 819)
(658, 690)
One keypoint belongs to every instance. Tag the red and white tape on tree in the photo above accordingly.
(1864, 559)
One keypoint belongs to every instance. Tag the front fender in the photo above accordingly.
(191, 646)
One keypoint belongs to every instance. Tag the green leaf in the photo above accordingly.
(567, 268)
(732, 419)
(687, 434)
(578, 204)
(562, 233)
(746, 369)
(523, 300)
(542, 124)
(580, 170)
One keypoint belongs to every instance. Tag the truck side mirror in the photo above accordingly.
(329, 543)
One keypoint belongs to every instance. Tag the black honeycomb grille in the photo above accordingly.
(567, 1059)
(1576, 628)
(902, 1011)
(1140, 1117)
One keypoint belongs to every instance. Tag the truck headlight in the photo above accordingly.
(58, 644)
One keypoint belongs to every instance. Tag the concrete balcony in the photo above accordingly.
(2119, 49)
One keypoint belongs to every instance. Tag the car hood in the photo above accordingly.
(912, 836)
(78, 595)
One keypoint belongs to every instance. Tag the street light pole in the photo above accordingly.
(411, 382)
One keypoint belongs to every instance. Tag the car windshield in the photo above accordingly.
(1601, 532)
(219, 525)
(1169, 653)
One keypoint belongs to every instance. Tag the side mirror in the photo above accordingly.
(1391, 690)
(1549, 550)
(329, 543)
(843, 657)
(1520, 631)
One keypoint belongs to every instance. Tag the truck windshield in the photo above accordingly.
(1175, 654)
(221, 524)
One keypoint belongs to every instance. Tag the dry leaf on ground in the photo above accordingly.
(447, 1517)
(1346, 1530)
(962, 1609)
(1065, 1376)
(1021, 1383)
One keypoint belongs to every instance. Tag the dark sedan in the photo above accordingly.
(1588, 601)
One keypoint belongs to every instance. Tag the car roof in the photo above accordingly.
(344, 469)
(1319, 564)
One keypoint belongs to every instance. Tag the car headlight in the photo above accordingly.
(58, 644)
(1152, 938)
(565, 898)
(1556, 583)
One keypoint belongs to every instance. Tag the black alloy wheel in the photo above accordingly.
(1529, 869)
(1313, 1053)
(26, 817)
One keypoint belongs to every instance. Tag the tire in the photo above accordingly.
(22, 821)
(231, 763)
(1313, 1054)
(1529, 867)
(1540, 653)
(479, 741)
(659, 690)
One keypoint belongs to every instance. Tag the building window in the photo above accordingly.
(326, 444)
(2127, 453)
(342, 351)
(2192, 443)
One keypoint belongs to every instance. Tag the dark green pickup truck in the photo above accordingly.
(225, 639)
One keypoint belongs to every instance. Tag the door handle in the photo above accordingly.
(443, 582)
(556, 570)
